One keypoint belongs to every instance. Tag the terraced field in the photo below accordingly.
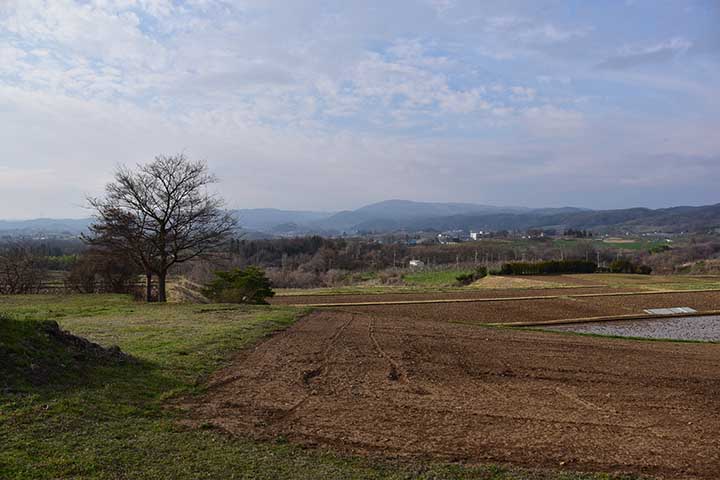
(439, 296)
(432, 380)
(385, 386)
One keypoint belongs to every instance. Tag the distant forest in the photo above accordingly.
(316, 261)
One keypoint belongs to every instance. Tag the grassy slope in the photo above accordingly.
(116, 423)
(35, 353)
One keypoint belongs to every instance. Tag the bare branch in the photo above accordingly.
(161, 214)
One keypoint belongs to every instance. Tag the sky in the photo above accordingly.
(326, 105)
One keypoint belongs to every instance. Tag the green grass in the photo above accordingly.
(434, 277)
(115, 422)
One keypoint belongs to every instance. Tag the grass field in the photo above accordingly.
(431, 278)
(116, 421)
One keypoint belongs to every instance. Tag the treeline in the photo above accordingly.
(316, 261)
(319, 254)
(21, 271)
(358, 254)
(551, 267)
(26, 268)
(558, 267)
(626, 266)
(577, 233)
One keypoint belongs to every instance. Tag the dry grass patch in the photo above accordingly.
(500, 282)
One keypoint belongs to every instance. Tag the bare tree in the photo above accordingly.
(120, 232)
(21, 271)
(100, 270)
(161, 214)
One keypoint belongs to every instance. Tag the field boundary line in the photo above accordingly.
(499, 299)
(425, 291)
(608, 318)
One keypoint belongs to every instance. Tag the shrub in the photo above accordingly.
(390, 277)
(644, 270)
(552, 267)
(622, 266)
(471, 277)
(250, 285)
(659, 249)
(626, 266)
(21, 270)
(465, 278)
(99, 271)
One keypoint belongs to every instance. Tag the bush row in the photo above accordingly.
(626, 266)
(552, 267)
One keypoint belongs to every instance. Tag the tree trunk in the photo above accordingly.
(162, 295)
(148, 286)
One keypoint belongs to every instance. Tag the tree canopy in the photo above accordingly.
(161, 214)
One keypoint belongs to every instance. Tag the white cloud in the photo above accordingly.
(549, 79)
(632, 55)
(295, 103)
(549, 120)
(92, 30)
(523, 93)
(529, 31)
(441, 6)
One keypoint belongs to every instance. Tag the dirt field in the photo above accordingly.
(469, 293)
(429, 380)
(511, 311)
(547, 281)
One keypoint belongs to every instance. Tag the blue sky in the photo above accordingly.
(332, 105)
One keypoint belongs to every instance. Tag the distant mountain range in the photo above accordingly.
(403, 215)
(40, 226)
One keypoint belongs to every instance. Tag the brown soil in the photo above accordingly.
(405, 381)
(572, 279)
(504, 282)
(510, 311)
(469, 293)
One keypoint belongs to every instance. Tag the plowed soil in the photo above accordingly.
(571, 307)
(468, 293)
(406, 381)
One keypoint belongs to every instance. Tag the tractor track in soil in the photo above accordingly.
(340, 378)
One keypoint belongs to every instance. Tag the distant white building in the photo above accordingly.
(477, 235)
(417, 263)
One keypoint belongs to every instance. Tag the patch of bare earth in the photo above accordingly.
(470, 293)
(543, 309)
(370, 381)
(501, 282)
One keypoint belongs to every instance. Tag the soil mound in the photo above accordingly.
(37, 353)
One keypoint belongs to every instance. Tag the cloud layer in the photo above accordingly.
(332, 105)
